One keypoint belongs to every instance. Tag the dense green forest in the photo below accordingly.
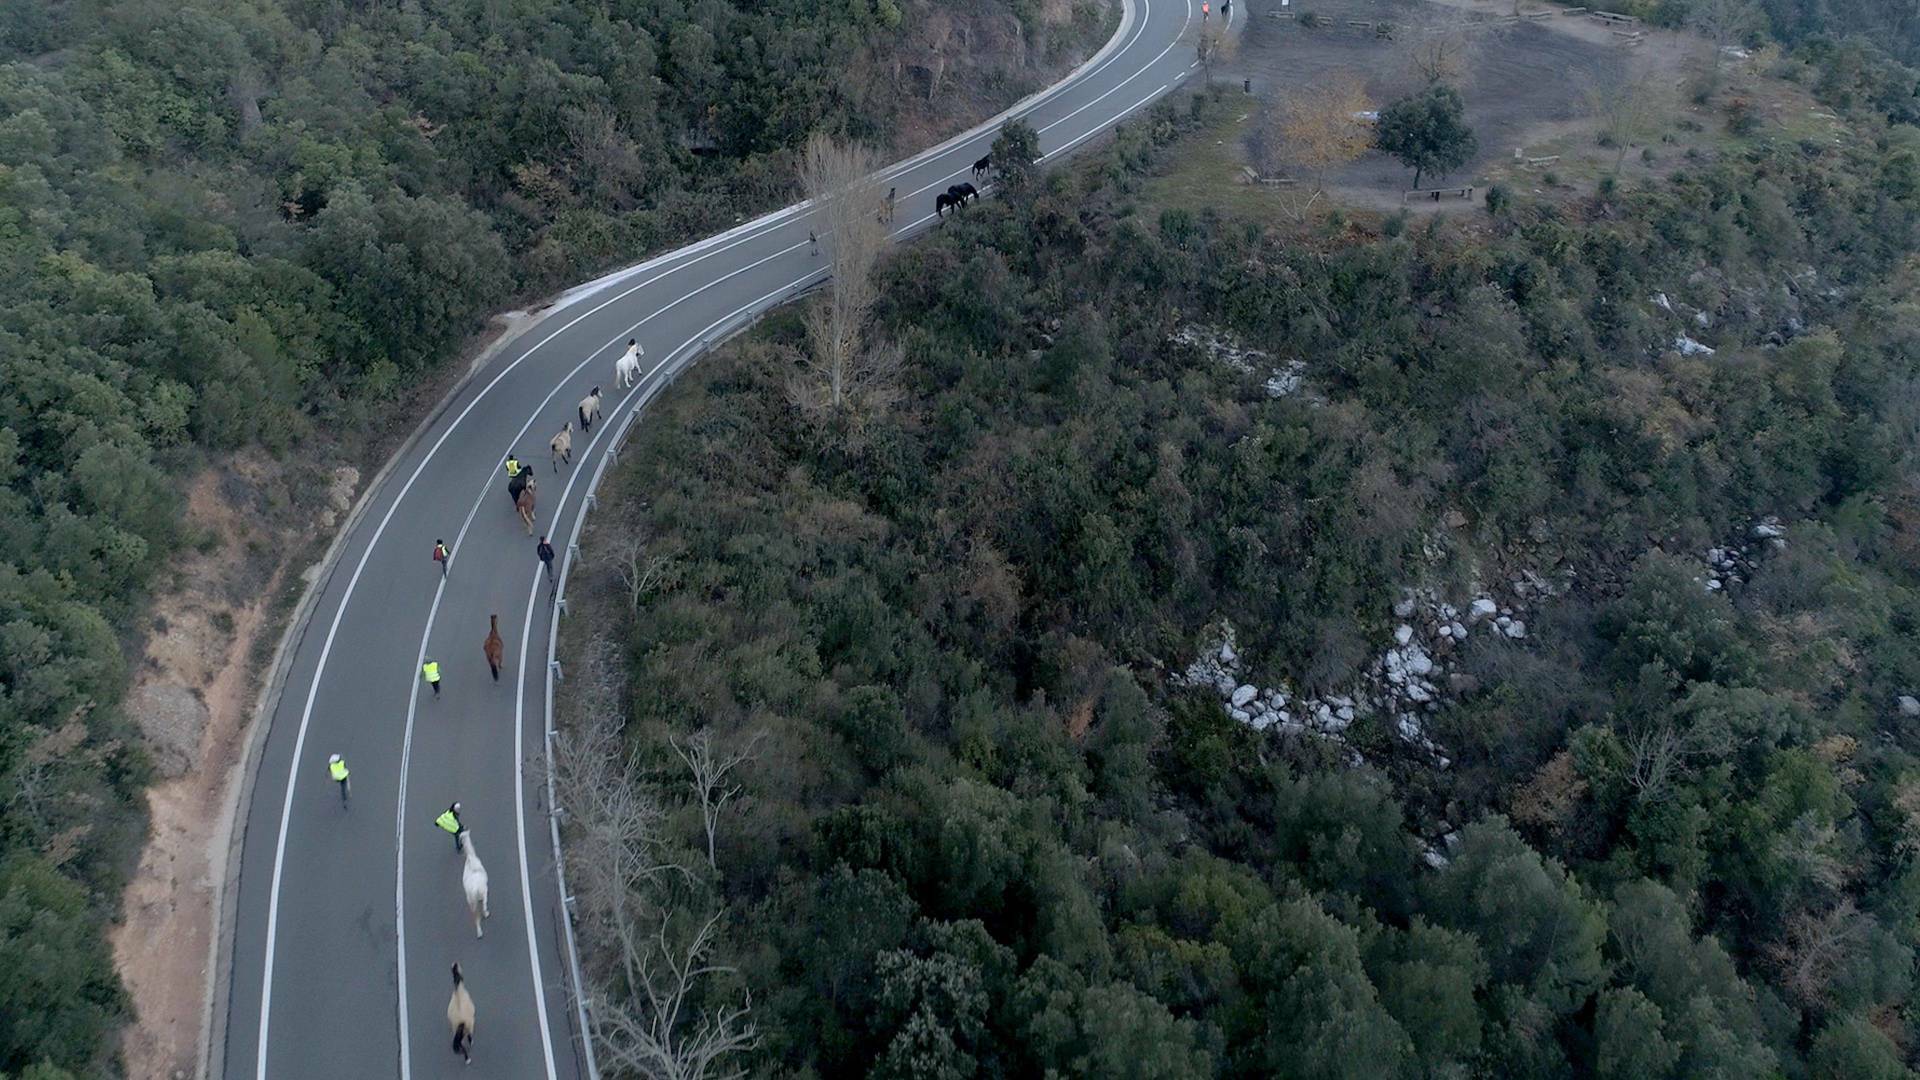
(256, 223)
(980, 826)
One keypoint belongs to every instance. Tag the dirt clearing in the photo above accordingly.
(1535, 86)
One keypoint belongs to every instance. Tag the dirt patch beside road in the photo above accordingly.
(193, 697)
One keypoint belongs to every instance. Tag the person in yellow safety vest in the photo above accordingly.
(337, 768)
(513, 466)
(449, 820)
(430, 671)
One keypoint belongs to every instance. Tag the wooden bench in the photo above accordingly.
(1574, 11)
(1614, 17)
(1436, 193)
(1537, 162)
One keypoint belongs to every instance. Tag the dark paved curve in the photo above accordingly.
(345, 921)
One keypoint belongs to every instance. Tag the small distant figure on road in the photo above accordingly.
(1226, 10)
(337, 768)
(442, 556)
(814, 239)
(545, 551)
(449, 820)
(513, 466)
(1205, 10)
(430, 671)
(891, 192)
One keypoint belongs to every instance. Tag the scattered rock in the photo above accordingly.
(1909, 705)
(1686, 346)
(1482, 607)
(1243, 695)
(1403, 633)
(1516, 629)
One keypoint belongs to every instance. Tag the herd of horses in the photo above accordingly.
(958, 195)
(523, 489)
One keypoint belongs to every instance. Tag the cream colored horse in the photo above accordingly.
(460, 1017)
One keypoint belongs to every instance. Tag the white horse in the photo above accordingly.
(460, 1017)
(626, 370)
(473, 879)
(562, 446)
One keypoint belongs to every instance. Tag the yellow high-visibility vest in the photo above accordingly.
(431, 669)
(513, 467)
(338, 769)
(447, 821)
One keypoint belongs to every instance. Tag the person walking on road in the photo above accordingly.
(513, 466)
(545, 551)
(890, 194)
(337, 768)
(442, 556)
(430, 671)
(814, 239)
(449, 820)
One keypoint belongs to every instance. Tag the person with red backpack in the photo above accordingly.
(442, 556)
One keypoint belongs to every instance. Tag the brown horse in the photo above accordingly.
(524, 504)
(495, 648)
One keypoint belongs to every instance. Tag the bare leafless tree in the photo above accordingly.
(649, 924)
(1724, 22)
(709, 766)
(840, 182)
(641, 572)
(1444, 48)
(1314, 131)
(1214, 47)
(1629, 104)
(1813, 950)
(658, 1039)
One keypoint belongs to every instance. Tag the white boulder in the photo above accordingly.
(1243, 695)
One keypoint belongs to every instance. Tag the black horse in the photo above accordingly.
(964, 191)
(514, 485)
(943, 201)
(982, 165)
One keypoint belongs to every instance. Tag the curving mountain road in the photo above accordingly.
(344, 921)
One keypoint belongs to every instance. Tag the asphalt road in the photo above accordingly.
(345, 921)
